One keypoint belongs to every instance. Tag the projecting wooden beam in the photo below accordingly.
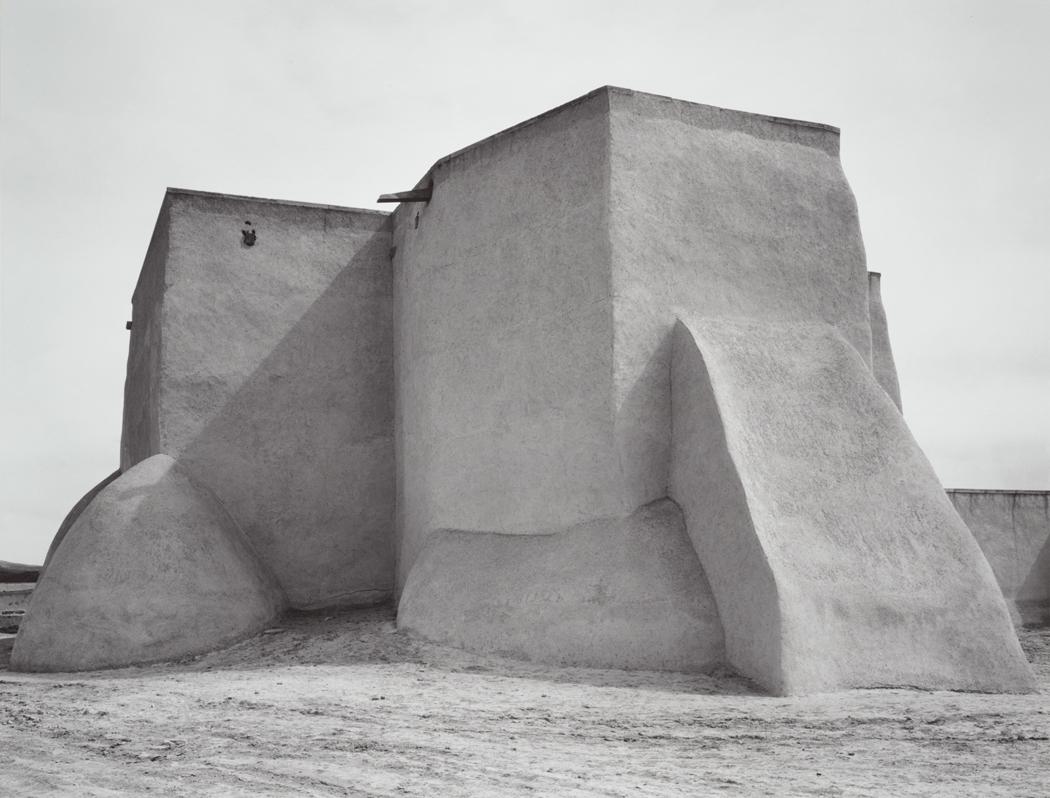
(416, 195)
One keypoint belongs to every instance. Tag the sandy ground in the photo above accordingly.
(345, 705)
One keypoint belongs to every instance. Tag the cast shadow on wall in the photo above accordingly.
(301, 453)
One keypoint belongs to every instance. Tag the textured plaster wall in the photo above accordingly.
(140, 436)
(271, 381)
(74, 514)
(834, 555)
(503, 336)
(718, 213)
(1013, 530)
(608, 593)
(707, 485)
(882, 364)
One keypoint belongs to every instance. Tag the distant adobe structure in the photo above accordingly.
(1012, 528)
(610, 388)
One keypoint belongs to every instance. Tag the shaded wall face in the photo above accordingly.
(275, 385)
(718, 214)
(1013, 530)
(140, 434)
(503, 336)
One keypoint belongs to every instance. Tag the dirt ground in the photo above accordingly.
(345, 705)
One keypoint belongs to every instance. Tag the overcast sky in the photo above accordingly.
(944, 109)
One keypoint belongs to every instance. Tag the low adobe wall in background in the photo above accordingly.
(1013, 530)
(15, 596)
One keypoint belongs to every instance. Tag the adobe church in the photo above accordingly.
(611, 388)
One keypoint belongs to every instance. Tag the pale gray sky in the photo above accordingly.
(943, 106)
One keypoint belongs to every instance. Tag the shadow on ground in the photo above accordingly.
(370, 636)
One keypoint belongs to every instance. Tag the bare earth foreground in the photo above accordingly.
(345, 705)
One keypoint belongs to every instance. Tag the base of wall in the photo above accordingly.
(611, 593)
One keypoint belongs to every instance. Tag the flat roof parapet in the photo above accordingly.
(290, 203)
(816, 134)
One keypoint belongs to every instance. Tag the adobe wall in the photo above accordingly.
(15, 595)
(503, 336)
(1013, 530)
(606, 593)
(718, 214)
(266, 370)
(140, 435)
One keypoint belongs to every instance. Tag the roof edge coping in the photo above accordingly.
(171, 190)
(608, 90)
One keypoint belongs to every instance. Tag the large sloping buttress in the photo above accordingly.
(835, 557)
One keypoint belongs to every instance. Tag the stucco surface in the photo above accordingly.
(140, 431)
(718, 213)
(882, 364)
(275, 382)
(503, 337)
(1013, 530)
(835, 557)
(74, 514)
(153, 569)
(608, 593)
